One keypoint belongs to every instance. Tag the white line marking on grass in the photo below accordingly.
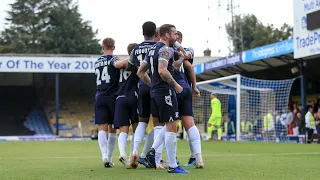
(205, 155)
(262, 154)
(52, 157)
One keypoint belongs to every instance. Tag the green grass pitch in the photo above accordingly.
(59, 160)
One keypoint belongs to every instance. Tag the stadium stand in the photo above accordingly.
(17, 106)
(70, 113)
(76, 94)
(36, 121)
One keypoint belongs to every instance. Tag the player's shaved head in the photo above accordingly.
(131, 46)
(149, 29)
(108, 44)
(166, 28)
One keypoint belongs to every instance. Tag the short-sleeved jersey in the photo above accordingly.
(159, 52)
(107, 76)
(216, 107)
(138, 54)
(179, 75)
(128, 82)
(191, 51)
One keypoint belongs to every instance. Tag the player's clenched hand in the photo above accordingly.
(178, 88)
(180, 54)
(196, 92)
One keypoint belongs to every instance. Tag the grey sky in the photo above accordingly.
(122, 19)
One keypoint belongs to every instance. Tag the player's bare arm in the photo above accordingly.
(188, 66)
(130, 66)
(142, 73)
(166, 75)
(187, 54)
(178, 62)
(121, 64)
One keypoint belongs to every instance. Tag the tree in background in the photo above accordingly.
(254, 33)
(47, 26)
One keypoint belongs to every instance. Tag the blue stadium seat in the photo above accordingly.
(36, 121)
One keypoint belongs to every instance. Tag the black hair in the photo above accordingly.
(149, 29)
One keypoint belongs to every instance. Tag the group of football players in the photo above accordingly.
(157, 79)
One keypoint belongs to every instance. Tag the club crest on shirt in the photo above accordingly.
(165, 54)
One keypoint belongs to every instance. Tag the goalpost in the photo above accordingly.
(250, 107)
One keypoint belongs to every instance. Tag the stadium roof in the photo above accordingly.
(261, 58)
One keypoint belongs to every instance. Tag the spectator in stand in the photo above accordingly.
(297, 119)
(278, 126)
(290, 117)
(284, 122)
(291, 103)
(295, 106)
(314, 106)
(318, 103)
(302, 124)
(310, 124)
(257, 125)
(318, 126)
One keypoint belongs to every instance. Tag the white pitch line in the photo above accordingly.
(262, 154)
(205, 155)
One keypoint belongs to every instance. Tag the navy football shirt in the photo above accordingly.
(107, 76)
(128, 82)
(159, 52)
(138, 54)
(191, 61)
(179, 75)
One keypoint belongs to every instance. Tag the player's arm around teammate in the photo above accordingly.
(142, 73)
(188, 66)
(177, 63)
(188, 55)
(167, 77)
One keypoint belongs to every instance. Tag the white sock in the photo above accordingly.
(167, 158)
(138, 136)
(160, 138)
(148, 144)
(122, 143)
(192, 153)
(111, 145)
(158, 156)
(171, 141)
(131, 146)
(102, 140)
(194, 136)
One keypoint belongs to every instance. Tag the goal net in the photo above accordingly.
(250, 107)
